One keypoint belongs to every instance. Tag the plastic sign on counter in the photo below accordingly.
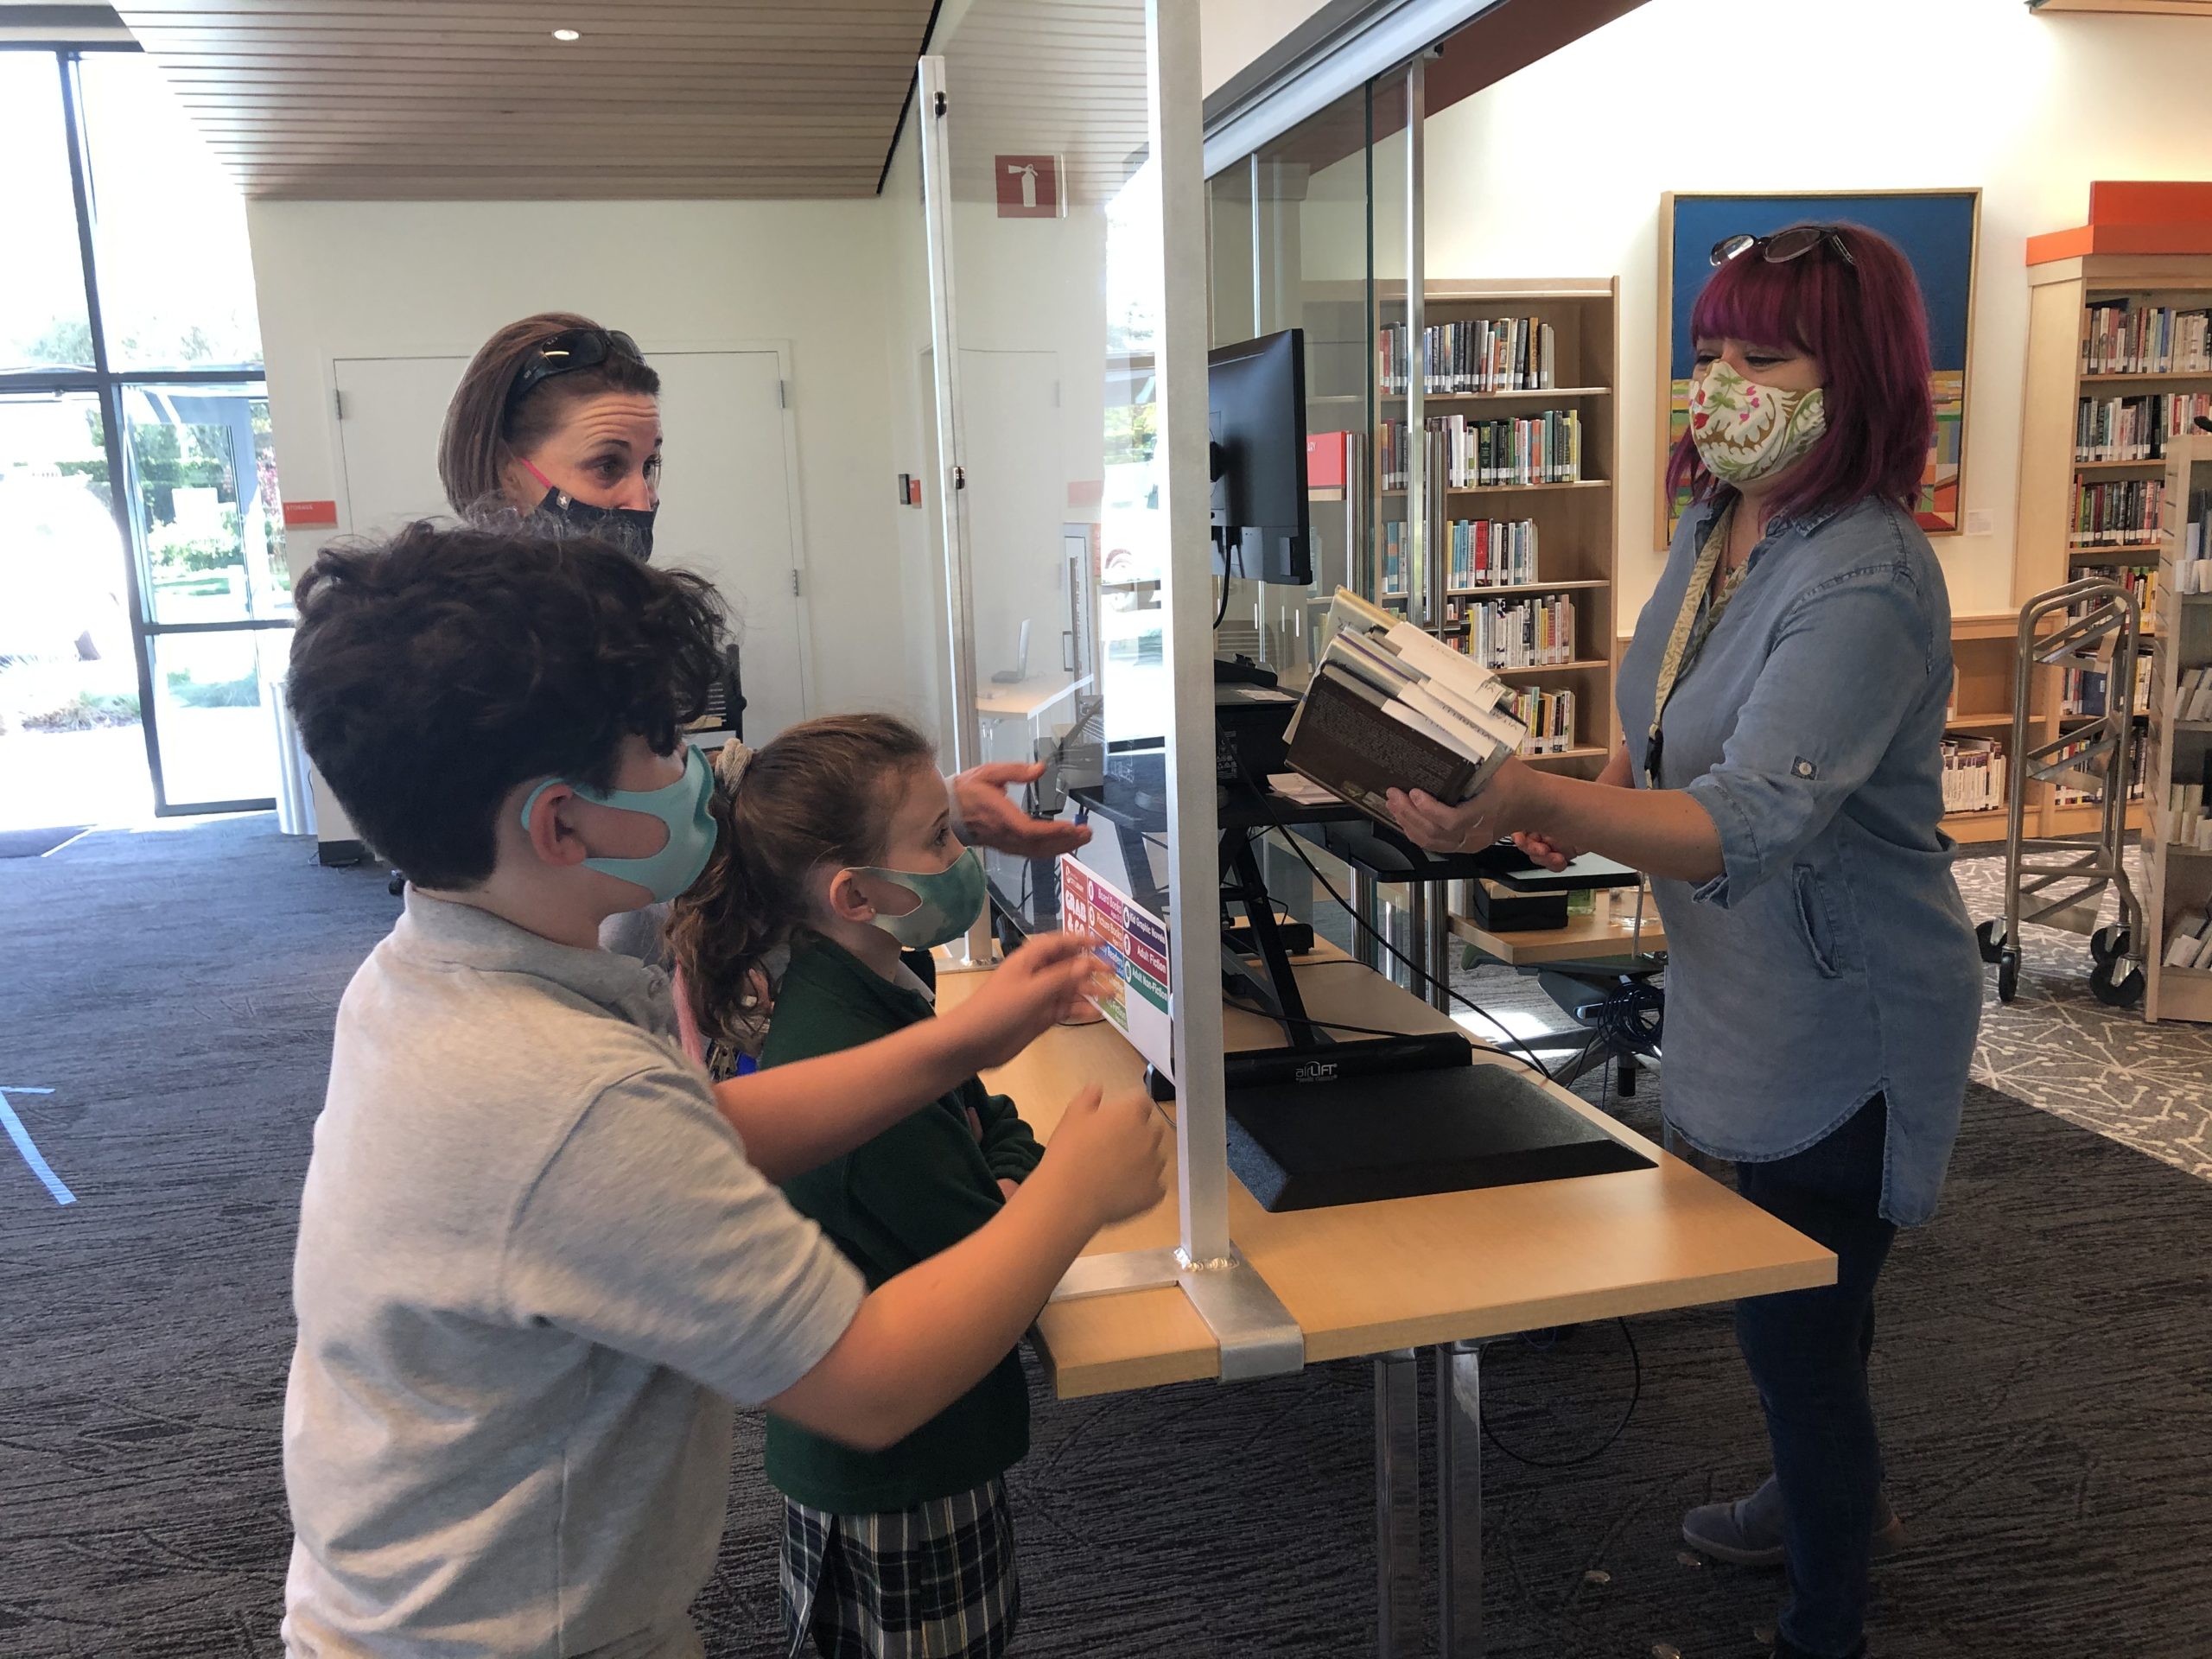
(1133, 942)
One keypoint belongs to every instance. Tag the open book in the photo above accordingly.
(1391, 707)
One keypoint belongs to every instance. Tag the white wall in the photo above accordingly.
(1881, 95)
(1231, 32)
(349, 279)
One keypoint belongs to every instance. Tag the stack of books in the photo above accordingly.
(2123, 338)
(1389, 706)
(2193, 694)
(2135, 428)
(1974, 775)
(2088, 692)
(2189, 946)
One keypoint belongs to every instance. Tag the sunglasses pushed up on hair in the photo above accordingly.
(1784, 245)
(566, 352)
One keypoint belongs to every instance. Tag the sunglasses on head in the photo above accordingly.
(566, 352)
(1784, 245)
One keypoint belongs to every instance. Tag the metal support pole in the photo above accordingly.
(1460, 1500)
(1397, 1504)
(1436, 943)
(1419, 585)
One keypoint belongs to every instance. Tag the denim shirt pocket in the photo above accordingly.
(1816, 921)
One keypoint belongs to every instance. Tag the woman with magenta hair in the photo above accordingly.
(1781, 781)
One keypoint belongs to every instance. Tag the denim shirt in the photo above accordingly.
(1831, 960)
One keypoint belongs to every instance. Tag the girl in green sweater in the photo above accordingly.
(836, 847)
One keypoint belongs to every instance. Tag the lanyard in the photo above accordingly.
(1687, 638)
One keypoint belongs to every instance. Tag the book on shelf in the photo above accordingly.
(1974, 775)
(1491, 553)
(2193, 694)
(2086, 692)
(1543, 448)
(2122, 337)
(1397, 548)
(1479, 355)
(2071, 788)
(1549, 716)
(2192, 571)
(1388, 706)
(1536, 632)
(2124, 512)
(2186, 824)
(2135, 428)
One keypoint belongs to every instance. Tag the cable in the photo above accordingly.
(1635, 1396)
(1228, 553)
(1411, 967)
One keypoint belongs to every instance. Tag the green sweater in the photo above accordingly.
(921, 1185)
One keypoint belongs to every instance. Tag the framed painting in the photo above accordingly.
(1938, 230)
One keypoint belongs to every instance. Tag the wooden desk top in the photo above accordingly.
(1361, 1279)
(1583, 938)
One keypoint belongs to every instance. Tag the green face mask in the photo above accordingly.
(951, 899)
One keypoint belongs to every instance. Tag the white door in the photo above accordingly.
(726, 512)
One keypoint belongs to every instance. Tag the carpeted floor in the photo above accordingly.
(2045, 1363)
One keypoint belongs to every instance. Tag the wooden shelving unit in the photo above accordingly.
(1577, 551)
(2060, 293)
(2177, 881)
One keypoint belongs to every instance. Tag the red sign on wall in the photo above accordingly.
(1029, 186)
(301, 514)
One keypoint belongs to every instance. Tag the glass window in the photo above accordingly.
(176, 278)
(204, 496)
(215, 699)
(42, 321)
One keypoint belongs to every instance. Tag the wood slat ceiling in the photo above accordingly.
(1046, 77)
(474, 99)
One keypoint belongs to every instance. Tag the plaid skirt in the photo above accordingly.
(935, 1582)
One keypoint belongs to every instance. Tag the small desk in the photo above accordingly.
(1027, 699)
(1601, 935)
(1442, 1271)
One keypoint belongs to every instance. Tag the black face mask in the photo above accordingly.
(622, 527)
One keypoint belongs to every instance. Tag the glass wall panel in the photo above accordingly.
(43, 319)
(214, 697)
(1055, 241)
(176, 274)
(204, 497)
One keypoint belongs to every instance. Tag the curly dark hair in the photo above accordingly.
(433, 671)
(820, 795)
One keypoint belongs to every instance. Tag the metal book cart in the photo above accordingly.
(2061, 881)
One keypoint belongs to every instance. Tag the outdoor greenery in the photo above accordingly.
(168, 458)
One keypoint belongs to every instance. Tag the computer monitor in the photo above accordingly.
(1255, 402)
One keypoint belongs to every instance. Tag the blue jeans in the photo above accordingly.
(1807, 1352)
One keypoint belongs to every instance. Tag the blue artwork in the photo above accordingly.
(1935, 229)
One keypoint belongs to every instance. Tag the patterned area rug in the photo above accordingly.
(2147, 1086)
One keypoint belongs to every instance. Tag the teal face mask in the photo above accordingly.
(681, 806)
(951, 899)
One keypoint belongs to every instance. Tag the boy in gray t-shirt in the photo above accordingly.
(539, 1254)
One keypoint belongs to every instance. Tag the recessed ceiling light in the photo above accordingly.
(566, 34)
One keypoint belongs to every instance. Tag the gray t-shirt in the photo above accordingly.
(535, 1270)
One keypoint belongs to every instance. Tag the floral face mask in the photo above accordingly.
(1745, 432)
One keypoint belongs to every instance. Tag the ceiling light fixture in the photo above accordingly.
(566, 34)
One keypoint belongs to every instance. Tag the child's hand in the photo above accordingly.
(1044, 982)
(1111, 1155)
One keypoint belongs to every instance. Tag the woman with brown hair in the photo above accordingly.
(556, 418)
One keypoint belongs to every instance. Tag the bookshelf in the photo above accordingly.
(2177, 873)
(2071, 300)
(1570, 518)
